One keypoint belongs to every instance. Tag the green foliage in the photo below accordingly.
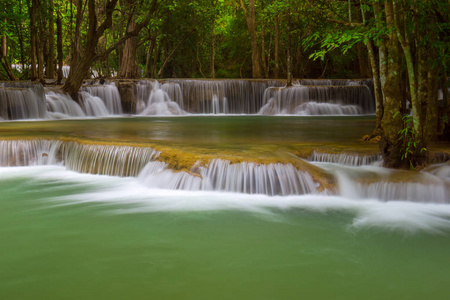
(411, 144)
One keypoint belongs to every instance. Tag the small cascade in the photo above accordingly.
(234, 96)
(433, 191)
(370, 182)
(314, 109)
(22, 100)
(345, 159)
(174, 91)
(14, 153)
(66, 71)
(61, 106)
(93, 106)
(106, 159)
(143, 90)
(221, 175)
(109, 94)
(159, 103)
(318, 100)
(115, 160)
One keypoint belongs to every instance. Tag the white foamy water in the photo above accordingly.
(134, 197)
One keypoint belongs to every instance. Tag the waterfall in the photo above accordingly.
(221, 175)
(318, 100)
(22, 100)
(61, 106)
(114, 160)
(345, 159)
(93, 106)
(159, 103)
(429, 190)
(234, 96)
(26, 100)
(109, 94)
(15, 153)
(362, 182)
(370, 182)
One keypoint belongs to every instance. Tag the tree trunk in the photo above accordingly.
(376, 78)
(379, 108)
(263, 40)
(51, 43)
(128, 67)
(392, 123)
(390, 145)
(277, 46)
(79, 69)
(32, 8)
(4, 59)
(289, 63)
(60, 48)
(250, 17)
(151, 47)
(213, 51)
(40, 44)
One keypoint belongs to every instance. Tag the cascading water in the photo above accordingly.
(318, 100)
(159, 103)
(221, 175)
(93, 106)
(346, 159)
(222, 96)
(109, 94)
(362, 182)
(61, 106)
(84, 158)
(21, 100)
(180, 96)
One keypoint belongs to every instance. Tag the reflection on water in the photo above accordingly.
(205, 129)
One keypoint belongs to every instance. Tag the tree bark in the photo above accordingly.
(128, 67)
(40, 43)
(79, 68)
(250, 17)
(150, 49)
(4, 59)
(213, 50)
(390, 144)
(289, 62)
(32, 9)
(51, 43)
(59, 47)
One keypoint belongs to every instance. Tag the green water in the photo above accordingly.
(72, 236)
(204, 129)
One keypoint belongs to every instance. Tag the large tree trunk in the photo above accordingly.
(390, 145)
(289, 59)
(59, 47)
(80, 67)
(150, 49)
(213, 50)
(4, 59)
(40, 44)
(32, 9)
(379, 107)
(128, 67)
(51, 43)
(250, 17)
(392, 123)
